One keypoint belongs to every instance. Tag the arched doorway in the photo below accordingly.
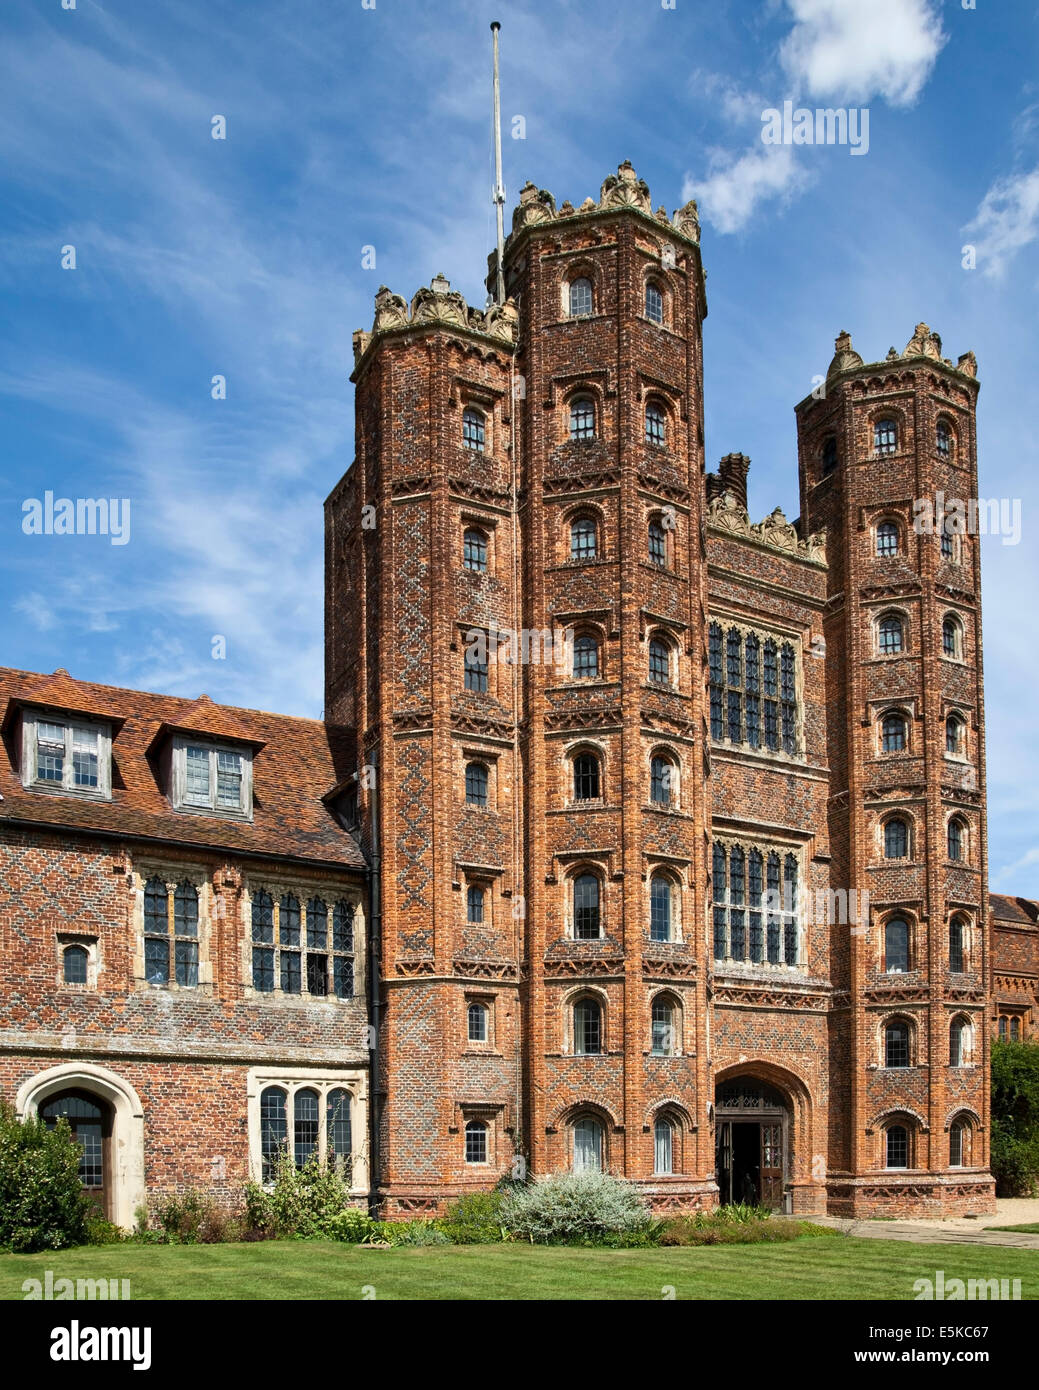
(106, 1100)
(752, 1137)
(90, 1120)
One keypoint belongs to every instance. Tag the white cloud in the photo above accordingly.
(38, 610)
(1009, 871)
(853, 51)
(1007, 220)
(731, 192)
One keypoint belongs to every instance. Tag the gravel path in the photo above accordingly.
(964, 1230)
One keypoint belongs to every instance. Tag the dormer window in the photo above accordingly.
(67, 755)
(207, 777)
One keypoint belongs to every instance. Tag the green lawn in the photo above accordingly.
(1030, 1228)
(808, 1268)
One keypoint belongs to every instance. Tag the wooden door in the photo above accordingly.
(723, 1160)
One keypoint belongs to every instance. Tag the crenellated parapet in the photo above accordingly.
(621, 190)
(923, 343)
(726, 515)
(437, 304)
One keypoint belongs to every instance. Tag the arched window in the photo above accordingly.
(475, 1141)
(273, 1129)
(584, 539)
(887, 540)
(657, 537)
(829, 455)
(896, 946)
(305, 1117)
(474, 903)
(476, 784)
(473, 430)
(951, 645)
(586, 907)
(656, 424)
(885, 437)
(896, 1044)
(90, 1123)
(947, 545)
(1002, 1027)
(663, 780)
(582, 418)
(660, 895)
(156, 932)
(659, 661)
(654, 302)
(959, 1144)
(890, 635)
(74, 961)
(954, 736)
(893, 733)
(959, 1042)
(338, 1134)
(662, 1041)
(580, 297)
(474, 550)
(1015, 1028)
(586, 657)
(586, 777)
(588, 1145)
(957, 945)
(896, 838)
(943, 439)
(476, 1020)
(587, 1027)
(954, 836)
(896, 1147)
(663, 1146)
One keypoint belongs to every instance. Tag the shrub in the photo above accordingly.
(352, 1226)
(575, 1208)
(476, 1219)
(1015, 1118)
(302, 1202)
(414, 1233)
(102, 1232)
(42, 1203)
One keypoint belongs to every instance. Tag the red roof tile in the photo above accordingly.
(296, 765)
(1021, 911)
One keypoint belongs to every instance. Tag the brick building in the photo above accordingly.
(663, 830)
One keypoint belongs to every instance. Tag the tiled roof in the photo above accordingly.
(297, 763)
(1021, 911)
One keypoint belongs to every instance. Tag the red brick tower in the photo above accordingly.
(420, 551)
(612, 301)
(879, 451)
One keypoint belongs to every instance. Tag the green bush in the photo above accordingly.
(42, 1203)
(102, 1232)
(196, 1218)
(352, 1226)
(476, 1219)
(575, 1208)
(302, 1202)
(1015, 1118)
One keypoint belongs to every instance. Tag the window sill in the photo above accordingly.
(212, 813)
(53, 789)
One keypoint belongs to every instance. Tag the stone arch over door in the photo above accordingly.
(799, 1166)
(128, 1190)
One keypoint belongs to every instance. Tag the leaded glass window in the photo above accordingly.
(896, 946)
(956, 946)
(476, 1022)
(273, 1130)
(897, 1147)
(663, 1147)
(476, 784)
(890, 634)
(74, 960)
(896, 1044)
(587, 1027)
(588, 1145)
(586, 907)
(662, 1023)
(582, 419)
(755, 907)
(586, 777)
(474, 550)
(476, 674)
(660, 892)
(657, 542)
(943, 439)
(661, 780)
(896, 839)
(893, 733)
(656, 424)
(659, 662)
(955, 838)
(586, 657)
(583, 539)
(306, 1115)
(654, 303)
(474, 903)
(475, 1142)
(885, 437)
(473, 430)
(887, 540)
(338, 1131)
(580, 297)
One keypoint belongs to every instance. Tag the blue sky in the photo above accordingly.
(350, 127)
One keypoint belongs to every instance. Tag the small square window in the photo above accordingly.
(67, 755)
(209, 778)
